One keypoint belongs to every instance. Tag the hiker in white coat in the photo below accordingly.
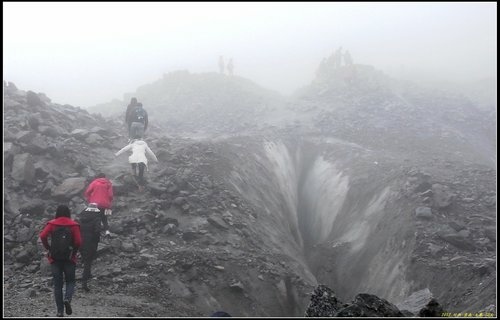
(138, 158)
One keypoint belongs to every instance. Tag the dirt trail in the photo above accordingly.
(97, 303)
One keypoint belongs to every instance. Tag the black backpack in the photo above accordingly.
(138, 115)
(90, 224)
(61, 245)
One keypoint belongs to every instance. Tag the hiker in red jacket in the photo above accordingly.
(62, 264)
(100, 192)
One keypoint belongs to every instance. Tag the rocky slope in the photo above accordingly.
(365, 185)
(179, 247)
(208, 103)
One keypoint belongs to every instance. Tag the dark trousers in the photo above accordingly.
(60, 268)
(136, 130)
(141, 166)
(104, 218)
(88, 256)
(90, 228)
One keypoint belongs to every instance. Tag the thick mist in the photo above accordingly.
(84, 54)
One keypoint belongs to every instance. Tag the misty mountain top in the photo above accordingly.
(181, 99)
(216, 104)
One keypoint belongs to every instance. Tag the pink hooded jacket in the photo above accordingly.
(100, 191)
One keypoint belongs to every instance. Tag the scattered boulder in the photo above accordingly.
(128, 247)
(33, 207)
(442, 196)
(416, 301)
(70, 187)
(33, 121)
(34, 100)
(457, 240)
(369, 305)
(423, 213)
(24, 256)
(324, 303)
(50, 131)
(79, 133)
(25, 136)
(94, 139)
(432, 309)
(217, 222)
(9, 150)
(37, 145)
(23, 169)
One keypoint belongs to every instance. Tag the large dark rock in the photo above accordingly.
(432, 309)
(369, 305)
(323, 303)
(33, 207)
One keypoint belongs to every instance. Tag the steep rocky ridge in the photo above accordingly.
(353, 187)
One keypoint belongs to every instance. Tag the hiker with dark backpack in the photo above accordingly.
(90, 224)
(130, 107)
(65, 240)
(138, 118)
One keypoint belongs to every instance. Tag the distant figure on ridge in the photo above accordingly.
(322, 70)
(138, 119)
(130, 107)
(230, 67)
(221, 65)
(338, 57)
(331, 63)
(347, 58)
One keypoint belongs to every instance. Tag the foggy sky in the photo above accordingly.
(89, 53)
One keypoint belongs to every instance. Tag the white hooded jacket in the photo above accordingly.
(139, 149)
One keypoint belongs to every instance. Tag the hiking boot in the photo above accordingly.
(60, 314)
(85, 287)
(67, 305)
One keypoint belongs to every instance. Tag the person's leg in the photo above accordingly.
(69, 275)
(130, 131)
(87, 265)
(134, 169)
(104, 219)
(142, 166)
(140, 130)
(87, 259)
(57, 274)
(137, 129)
